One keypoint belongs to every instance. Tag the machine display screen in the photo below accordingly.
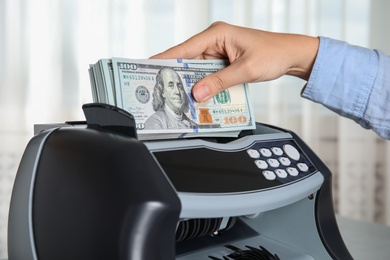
(209, 171)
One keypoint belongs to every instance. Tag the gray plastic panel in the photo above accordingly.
(21, 233)
(241, 143)
(213, 206)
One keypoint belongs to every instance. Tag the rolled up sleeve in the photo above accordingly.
(352, 81)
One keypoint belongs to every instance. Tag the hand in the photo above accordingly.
(254, 56)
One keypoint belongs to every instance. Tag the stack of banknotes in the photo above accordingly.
(158, 94)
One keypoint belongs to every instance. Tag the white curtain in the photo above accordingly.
(47, 45)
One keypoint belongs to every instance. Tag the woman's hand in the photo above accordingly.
(254, 56)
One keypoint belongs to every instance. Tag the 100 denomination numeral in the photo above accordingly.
(235, 119)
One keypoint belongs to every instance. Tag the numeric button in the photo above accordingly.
(281, 173)
(273, 162)
(277, 151)
(269, 175)
(292, 171)
(253, 153)
(265, 152)
(261, 164)
(303, 167)
(285, 161)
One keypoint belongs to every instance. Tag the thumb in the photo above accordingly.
(217, 82)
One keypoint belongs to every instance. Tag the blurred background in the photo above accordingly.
(46, 47)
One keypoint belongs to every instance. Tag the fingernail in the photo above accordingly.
(201, 92)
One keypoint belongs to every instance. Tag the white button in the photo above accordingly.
(291, 151)
(261, 164)
(265, 152)
(292, 171)
(285, 161)
(277, 151)
(273, 162)
(281, 173)
(303, 167)
(253, 153)
(269, 175)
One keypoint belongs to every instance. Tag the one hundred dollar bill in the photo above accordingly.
(158, 94)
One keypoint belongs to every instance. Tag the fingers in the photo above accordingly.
(219, 81)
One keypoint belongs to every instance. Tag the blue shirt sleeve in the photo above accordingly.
(352, 81)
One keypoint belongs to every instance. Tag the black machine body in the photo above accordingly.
(92, 190)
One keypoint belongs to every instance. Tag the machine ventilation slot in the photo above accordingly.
(246, 254)
(199, 227)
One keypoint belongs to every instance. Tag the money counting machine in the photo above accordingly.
(92, 190)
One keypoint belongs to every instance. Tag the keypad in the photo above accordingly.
(280, 160)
